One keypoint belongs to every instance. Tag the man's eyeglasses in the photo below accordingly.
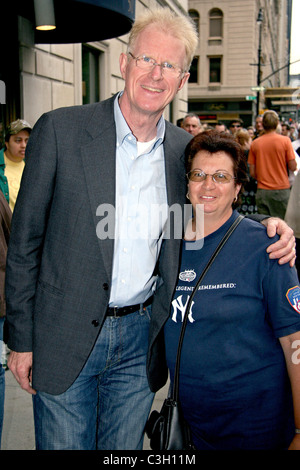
(147, 63)
(219, 177)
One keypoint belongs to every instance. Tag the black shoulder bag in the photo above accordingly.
(167, 429)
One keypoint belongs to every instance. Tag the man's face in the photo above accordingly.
(150, 91)
(234, 127)
(259, 124)
(15, 147)
(284, 130)
(191, 125)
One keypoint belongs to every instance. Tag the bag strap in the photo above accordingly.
(174, 394)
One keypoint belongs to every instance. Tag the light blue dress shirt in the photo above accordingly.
(140, 212)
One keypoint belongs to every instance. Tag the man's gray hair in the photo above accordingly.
(178, 26)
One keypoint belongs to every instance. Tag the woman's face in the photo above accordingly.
(216, 198)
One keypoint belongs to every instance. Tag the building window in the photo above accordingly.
(215, 24)
(194, 70)
(194, 15)
(215, 70)
(90, 75)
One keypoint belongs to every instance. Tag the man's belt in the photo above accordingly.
(122, 311)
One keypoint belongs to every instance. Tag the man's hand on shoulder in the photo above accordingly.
(284, 249)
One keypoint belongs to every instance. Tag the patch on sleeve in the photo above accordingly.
(293, 296)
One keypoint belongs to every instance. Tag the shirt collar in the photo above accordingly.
(123, 129)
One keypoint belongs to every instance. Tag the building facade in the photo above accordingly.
(44, 77)
(236, 54)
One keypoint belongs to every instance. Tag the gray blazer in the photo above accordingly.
(58, 271)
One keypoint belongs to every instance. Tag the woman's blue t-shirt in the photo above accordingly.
(234, 387)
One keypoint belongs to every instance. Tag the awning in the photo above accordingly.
(83, 20)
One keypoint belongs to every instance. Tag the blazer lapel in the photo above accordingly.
(99, 163)
(176, 190)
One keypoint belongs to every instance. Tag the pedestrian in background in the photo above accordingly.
(269, 157)
(248, 194)
(12, 159)
(192, 124)
(258, 125)
(235, 125)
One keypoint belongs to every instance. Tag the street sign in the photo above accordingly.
(258, 88)
(250, 98)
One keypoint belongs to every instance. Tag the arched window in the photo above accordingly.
(194, 15)
(215, 23)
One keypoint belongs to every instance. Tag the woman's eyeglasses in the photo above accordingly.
(218, 177)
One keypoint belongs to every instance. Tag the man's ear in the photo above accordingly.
(123, 61)
(183, 81)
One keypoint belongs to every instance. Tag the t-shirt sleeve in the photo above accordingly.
(290, 154)
(282, 294)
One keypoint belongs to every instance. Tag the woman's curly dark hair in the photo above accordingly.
(213, 141)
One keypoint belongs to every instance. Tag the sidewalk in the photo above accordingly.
(18, 430)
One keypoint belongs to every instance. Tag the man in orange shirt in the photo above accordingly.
(270, 157)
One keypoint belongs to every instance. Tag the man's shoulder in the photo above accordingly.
(71, 119)
(266, 138)
(102, 106)
(175, 132)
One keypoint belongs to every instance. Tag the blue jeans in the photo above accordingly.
(106, 408)
(2, 379)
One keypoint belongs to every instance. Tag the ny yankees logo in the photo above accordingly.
(178, 306)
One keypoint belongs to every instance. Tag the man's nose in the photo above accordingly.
(157, 72)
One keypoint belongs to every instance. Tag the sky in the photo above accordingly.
(295, 38)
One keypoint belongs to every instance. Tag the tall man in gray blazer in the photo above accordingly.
(85, 244)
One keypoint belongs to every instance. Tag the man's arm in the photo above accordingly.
(27, 234)
(25, 246)
(252, 171)
(292, 164)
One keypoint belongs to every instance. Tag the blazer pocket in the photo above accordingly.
(44, 286)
